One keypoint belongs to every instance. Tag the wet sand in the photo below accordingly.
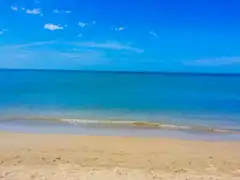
(45, 156)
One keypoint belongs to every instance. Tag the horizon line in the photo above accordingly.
(126, 71)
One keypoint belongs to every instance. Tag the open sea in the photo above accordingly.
(120, 103)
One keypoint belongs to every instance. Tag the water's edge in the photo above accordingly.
(61, 125)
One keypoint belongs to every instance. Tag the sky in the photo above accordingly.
(122, 35)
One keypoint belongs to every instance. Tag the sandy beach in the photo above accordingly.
(43, 156)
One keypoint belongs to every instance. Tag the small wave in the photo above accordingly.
(139, 124)
(121, 124)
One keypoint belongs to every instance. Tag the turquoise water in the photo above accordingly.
(120, 99)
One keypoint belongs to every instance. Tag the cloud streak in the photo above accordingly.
(67, 55)
(109, 45)
(27, 45)
(153, 34)
(220, 61)
(31, 55)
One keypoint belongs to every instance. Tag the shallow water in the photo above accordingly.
(178, 103)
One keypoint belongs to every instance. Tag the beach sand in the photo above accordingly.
(58, 157)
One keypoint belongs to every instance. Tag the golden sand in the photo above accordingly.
(58, 157)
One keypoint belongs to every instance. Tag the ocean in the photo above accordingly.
(123, 103)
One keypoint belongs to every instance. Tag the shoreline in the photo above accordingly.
(64, 156)
(118, 128)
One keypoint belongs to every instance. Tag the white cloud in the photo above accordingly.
(14, 8)
(53, 27)
(82, 24)
(110, 45)
(2, 31)
(56, 11)
(33, 11)
(153, 34)
(119, 28)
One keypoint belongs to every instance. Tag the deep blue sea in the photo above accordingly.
(119, 100)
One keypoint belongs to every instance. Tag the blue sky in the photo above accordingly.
(152, 35)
